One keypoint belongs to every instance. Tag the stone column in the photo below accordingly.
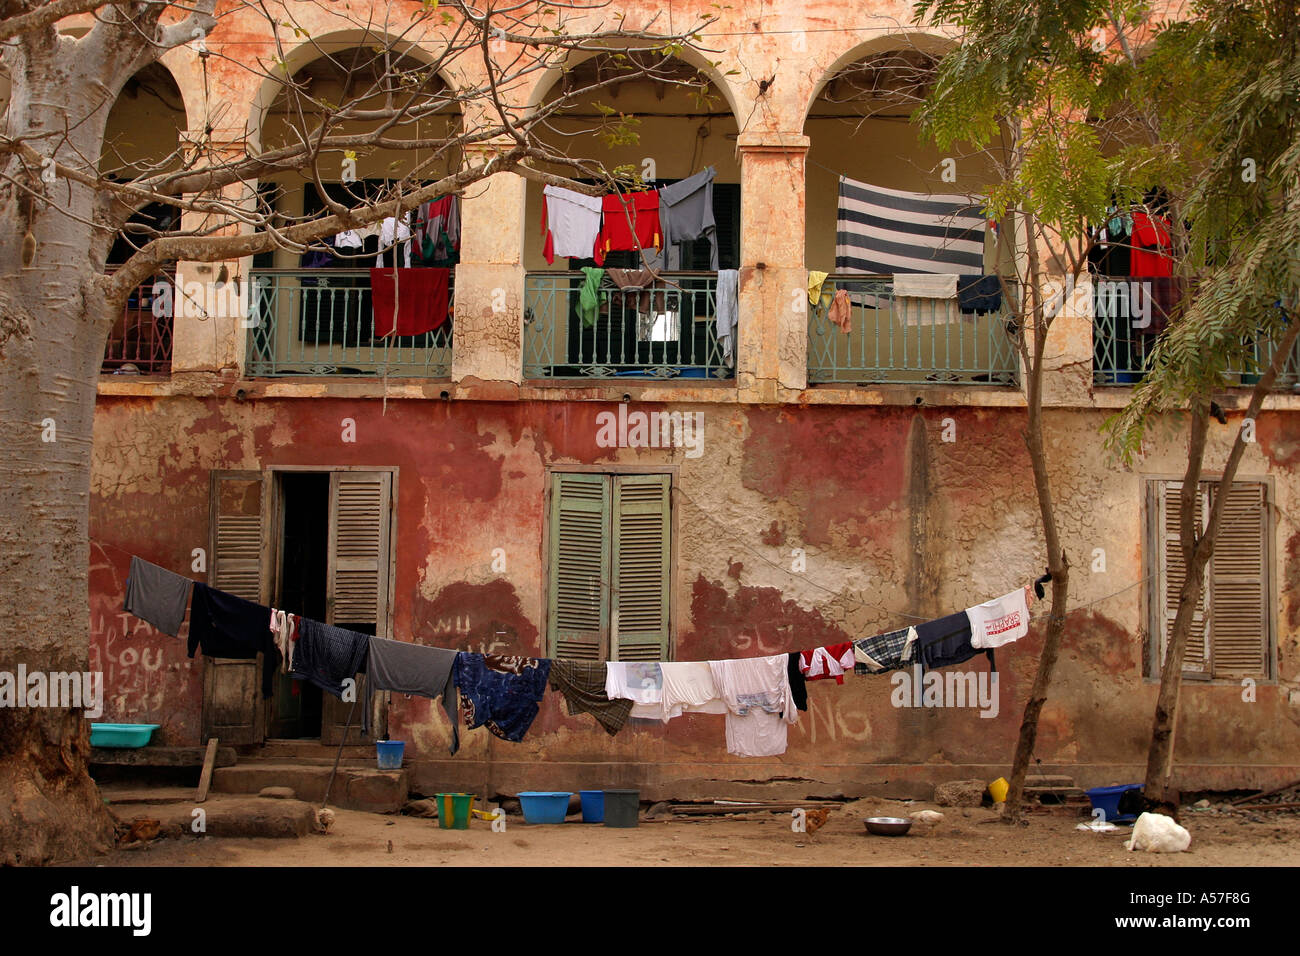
(487, 340)
(772, 338)
(209, 334)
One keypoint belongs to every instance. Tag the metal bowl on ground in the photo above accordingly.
(888, 826)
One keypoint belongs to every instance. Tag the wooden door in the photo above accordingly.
(360, 556)
(233, 709)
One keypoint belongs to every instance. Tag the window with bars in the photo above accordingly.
(1232, 628)
(609, 570)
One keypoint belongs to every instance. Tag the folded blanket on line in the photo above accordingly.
(327, 656)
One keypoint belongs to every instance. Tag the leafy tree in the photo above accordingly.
(1226, 88)
(1023, 86)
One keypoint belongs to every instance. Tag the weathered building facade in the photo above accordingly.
(827, 486)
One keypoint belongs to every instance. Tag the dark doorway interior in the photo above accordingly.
(304, 552)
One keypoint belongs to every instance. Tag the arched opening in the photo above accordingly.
(143, 137)
(318, 311)
(653, 312)
(899, 227)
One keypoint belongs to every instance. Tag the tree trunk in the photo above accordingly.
(1056, 560)
(53, 324)
(1197, 551)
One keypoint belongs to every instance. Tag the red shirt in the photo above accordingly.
(629, 221)
(1150, 255)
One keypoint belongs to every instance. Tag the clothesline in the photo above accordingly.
(759, 696)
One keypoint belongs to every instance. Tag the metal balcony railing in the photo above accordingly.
(908, 341)
(321, 322)
(663, 332)
(140, 342)
(1120, 352)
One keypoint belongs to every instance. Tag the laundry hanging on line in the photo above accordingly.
(760, 697)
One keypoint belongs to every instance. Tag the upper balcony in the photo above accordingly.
(140, 342)
(888, 339)
(305, 322)
(665, 330)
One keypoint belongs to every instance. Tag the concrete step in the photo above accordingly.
(297, 749)
(118, 795)
(1048, 780)
(356, 763)
(355, 788)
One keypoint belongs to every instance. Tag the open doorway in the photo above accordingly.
(301, 589)
(310, 541)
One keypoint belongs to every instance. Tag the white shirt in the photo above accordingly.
(685, 687)
(999, 621)
(759, 703)
(392, 231)
(574, 221)
(639, 681)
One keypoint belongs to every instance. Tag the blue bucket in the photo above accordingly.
(390, 753)
(593, 806)
(1106, 799)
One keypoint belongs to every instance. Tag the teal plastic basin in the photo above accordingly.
(121, 735)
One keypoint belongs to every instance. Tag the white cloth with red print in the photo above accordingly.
(999, 621)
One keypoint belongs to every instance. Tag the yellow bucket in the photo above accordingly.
(999, 789)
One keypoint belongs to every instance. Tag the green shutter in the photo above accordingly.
(1239, 585)
(640, 621)
(578, 602)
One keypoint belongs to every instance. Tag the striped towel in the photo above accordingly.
(884, 231)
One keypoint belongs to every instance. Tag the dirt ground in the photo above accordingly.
(965, 837)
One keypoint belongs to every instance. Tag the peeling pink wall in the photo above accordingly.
(844, 484)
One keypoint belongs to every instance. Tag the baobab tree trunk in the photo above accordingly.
(53, 324)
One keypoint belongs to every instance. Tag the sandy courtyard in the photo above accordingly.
(965, 837)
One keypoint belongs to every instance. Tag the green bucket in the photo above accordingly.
(454, 810)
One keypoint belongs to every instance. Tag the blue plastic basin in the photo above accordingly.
(1106, 799)
(543, 806)
(121, 735)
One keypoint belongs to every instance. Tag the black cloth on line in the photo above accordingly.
(979, 293)
(223, 625)
(946, 641)
(798, 683)
(328, 655)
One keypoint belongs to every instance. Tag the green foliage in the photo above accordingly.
(1208, 108)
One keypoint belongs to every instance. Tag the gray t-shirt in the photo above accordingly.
(157, 595)
(686, 212)
(415, 669)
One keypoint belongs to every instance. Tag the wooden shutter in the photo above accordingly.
(356, 595)
(578, 603)
(357, 583)
(232, 698)
(640, 614)
(237, 547)
(1170, 580)
(1239, 584)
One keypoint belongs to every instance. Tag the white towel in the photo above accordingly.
(923, 286)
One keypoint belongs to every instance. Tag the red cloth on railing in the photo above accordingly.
(421, 296)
